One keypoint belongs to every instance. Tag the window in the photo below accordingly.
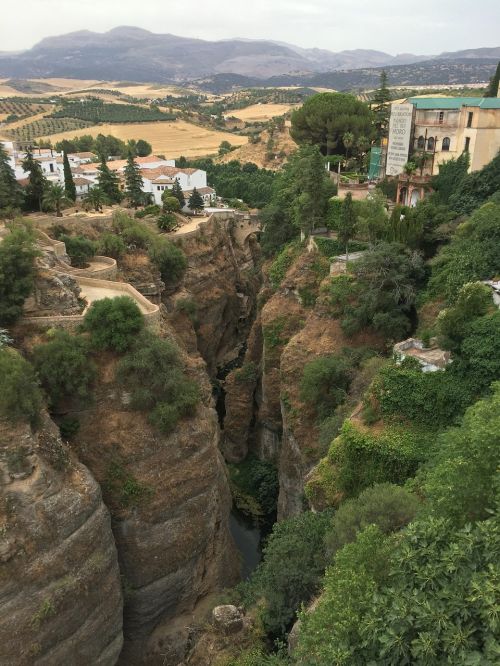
(441, 117)
(158, 188)
(446, 143)
(421, 142)
(51, 167)
(467, 144)
(469, 119)
(430, 143)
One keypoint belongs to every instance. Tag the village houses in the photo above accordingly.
(158, 174)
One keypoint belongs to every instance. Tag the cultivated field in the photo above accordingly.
(145, 90)
(261, 111)
(171, 139)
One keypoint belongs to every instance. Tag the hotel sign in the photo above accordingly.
(399, 138)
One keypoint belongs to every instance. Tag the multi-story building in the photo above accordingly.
(438, 129)
(445, 127)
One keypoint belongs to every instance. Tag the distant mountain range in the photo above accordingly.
(128, 53)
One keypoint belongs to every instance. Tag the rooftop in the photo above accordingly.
(120, 164)
(153, 174)
(428, 103)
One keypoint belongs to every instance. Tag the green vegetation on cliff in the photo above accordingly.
(412, 548)
(17, 255)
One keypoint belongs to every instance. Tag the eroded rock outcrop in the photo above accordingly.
(170, 503)
(222, 281)
(60, 593)
(295, 326)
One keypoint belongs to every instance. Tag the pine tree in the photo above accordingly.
(69, 183)
(195, 202)
(347, 223)
(37, 182)
(133, 181)
(381, 106)
(10, 192)
(178, 193)
(493, 90)
(108, 182)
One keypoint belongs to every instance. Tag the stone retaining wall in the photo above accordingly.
(71, 322)
(107, 272)
(58, 246)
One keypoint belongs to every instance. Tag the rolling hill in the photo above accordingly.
(140, 55)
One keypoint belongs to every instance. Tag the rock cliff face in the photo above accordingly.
(168, 495)
(292, 329)
(222, 281)
(170, 505)
(60, 594)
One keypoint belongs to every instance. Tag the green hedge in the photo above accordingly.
(433, 399)
(362, 458)
(332, 247)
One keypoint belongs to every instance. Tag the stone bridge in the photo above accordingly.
(244, 225)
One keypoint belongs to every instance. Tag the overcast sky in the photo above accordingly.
(423, 26)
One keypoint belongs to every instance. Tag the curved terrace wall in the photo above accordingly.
(150, 311)
(106, 272)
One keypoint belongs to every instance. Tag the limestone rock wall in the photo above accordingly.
(60, 593)
(222, 280)
(170, 504)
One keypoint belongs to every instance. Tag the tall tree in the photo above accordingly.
(10, 192)
(493, 90)
(17, 254)
(347, 223)
(37, 182)
(178, 193)
(108, 182)
(54, 198)
(325, 118)
(69, 184)
(133, 181)
(348, 141)
(195, 202)
(311, 189)
(381, 107)
(143, 148)
(95, 198)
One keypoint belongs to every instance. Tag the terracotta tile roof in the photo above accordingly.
(82, 181)
(119, 164)
(200, 190)
(165, 171)
(83, 155)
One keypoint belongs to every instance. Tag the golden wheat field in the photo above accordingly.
(171, 139)
(262, 111)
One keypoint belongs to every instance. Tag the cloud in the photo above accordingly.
(423, 27)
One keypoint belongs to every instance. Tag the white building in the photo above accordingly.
(82, 186)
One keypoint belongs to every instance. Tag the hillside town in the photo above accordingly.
(158, 174)
(249, 336)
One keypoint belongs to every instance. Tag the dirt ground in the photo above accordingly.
(171, 139)
(262, 111)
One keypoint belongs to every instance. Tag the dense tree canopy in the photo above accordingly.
(473, 254)
(10, 192)
(386, 282)
(20, 395)
(299, 201)
(17, 254)
(324, 119)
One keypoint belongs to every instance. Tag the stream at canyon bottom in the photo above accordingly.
(248, 541)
